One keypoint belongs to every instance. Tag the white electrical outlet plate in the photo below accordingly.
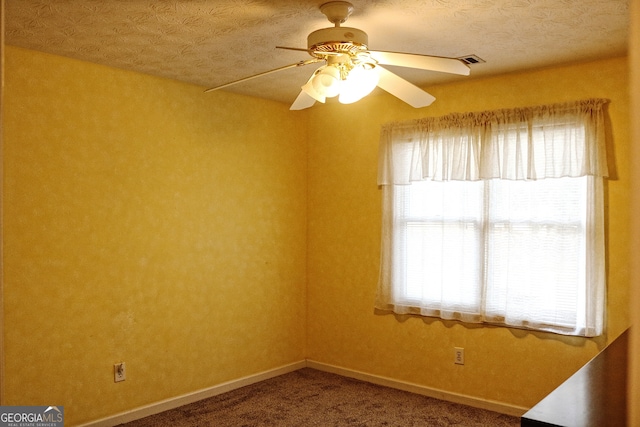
(458, 356)
(119, 372)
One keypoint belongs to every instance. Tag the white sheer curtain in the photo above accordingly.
(497, 217)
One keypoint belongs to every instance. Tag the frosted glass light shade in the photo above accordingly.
(312, 92)
(359, 83)
(327, 81)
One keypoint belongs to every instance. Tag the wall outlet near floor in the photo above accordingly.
(458, 357)
(119, 372)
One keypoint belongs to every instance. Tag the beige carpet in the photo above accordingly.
(309, 397)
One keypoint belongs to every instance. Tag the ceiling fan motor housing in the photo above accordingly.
(337, 40)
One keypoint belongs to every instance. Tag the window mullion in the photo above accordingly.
(485, 256)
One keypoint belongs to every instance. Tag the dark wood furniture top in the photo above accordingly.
(596, 395)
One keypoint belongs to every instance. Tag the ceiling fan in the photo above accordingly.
(351, 71)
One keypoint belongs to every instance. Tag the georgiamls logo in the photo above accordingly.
(32, 416)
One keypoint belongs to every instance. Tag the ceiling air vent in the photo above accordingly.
(471, 59)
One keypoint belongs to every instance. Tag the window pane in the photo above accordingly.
(442, 235)
(536, 250)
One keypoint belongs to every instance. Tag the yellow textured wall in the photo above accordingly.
(149, 223)
(633, 401)
(506, 365)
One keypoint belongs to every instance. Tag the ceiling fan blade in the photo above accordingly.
(423, 62)
(302, 101)
(297, 64)
(402, 89)
(292, 48)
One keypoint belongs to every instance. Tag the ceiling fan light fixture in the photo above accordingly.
(310, 90)
(327, 81)
(360, 82)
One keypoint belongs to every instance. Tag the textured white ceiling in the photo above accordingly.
(211, 42)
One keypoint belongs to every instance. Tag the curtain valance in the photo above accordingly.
(548, 141)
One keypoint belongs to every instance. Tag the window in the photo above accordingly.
(496, 217)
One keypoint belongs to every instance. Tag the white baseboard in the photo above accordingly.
(491, 405)
(156, 408)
